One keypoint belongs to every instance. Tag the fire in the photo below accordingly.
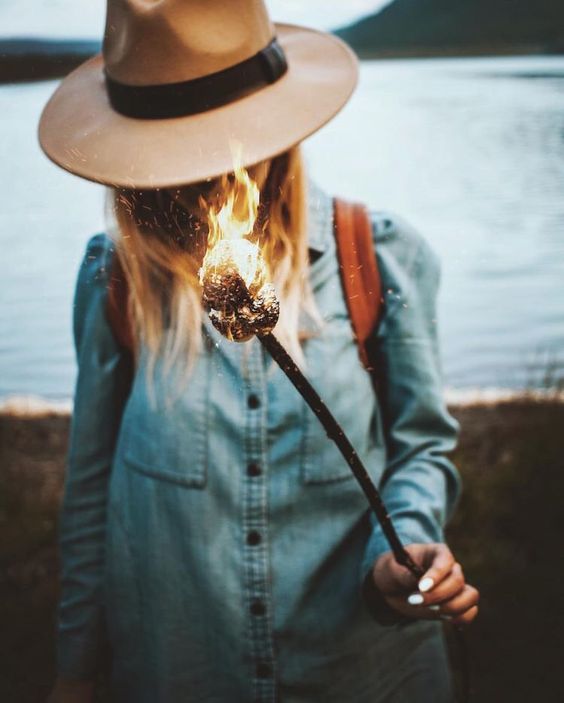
(234, 276)
(240, 255)
(230, 227)
(237, 217)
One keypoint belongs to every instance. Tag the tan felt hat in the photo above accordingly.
(180, 81)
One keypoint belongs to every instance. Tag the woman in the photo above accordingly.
(210, 533)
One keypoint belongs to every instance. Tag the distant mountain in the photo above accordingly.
(459, 27)
(40, 59)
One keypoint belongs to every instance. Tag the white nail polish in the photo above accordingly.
(434, 607)
(446, 617)
(415, 599)
(426, 584)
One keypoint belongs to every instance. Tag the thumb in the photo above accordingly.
(438, 560)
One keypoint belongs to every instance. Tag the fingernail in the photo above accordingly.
(415, 599)
(434, 607)
(426, 584)
(445, 617)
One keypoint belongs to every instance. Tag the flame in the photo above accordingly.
(234, 275)
(240, 254)
(230, 226)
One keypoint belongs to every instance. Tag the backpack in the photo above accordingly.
(358, 266)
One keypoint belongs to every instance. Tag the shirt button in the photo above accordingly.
(258, 608)
(253, 538)
(264, 670)
(253, 470)
(253, 401)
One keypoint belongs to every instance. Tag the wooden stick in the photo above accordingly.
(337, 434)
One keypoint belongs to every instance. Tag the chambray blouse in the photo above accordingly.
(218, 540)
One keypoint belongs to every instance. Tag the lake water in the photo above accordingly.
(471, 151)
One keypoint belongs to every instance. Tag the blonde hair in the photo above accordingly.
(161, 239)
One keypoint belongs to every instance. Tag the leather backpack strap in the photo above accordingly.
(360, 276)
(117, 307)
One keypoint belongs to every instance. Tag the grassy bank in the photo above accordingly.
(507, 533)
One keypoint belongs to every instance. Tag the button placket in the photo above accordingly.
(255, 530)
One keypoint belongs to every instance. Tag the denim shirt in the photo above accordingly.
(219, 538)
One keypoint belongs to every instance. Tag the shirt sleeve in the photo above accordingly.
(100, 393)
(420, 486)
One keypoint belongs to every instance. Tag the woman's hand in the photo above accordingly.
(68, 691)
(441, 592)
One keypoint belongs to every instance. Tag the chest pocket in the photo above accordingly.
(166, 426)
(335, 371)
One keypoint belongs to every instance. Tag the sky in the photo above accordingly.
(85, 18)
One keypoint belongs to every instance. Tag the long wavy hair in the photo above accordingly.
(161, 239)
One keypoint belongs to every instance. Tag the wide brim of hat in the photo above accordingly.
(82, 133)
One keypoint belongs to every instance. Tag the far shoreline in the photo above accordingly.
(475, 52)
(36, 406)
(30, 60)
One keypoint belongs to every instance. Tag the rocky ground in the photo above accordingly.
(507, 532)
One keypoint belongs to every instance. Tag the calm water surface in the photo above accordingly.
(471, 151)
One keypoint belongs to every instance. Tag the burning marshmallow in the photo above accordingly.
(240, 301)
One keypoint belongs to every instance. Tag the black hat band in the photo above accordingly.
(199, 94)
